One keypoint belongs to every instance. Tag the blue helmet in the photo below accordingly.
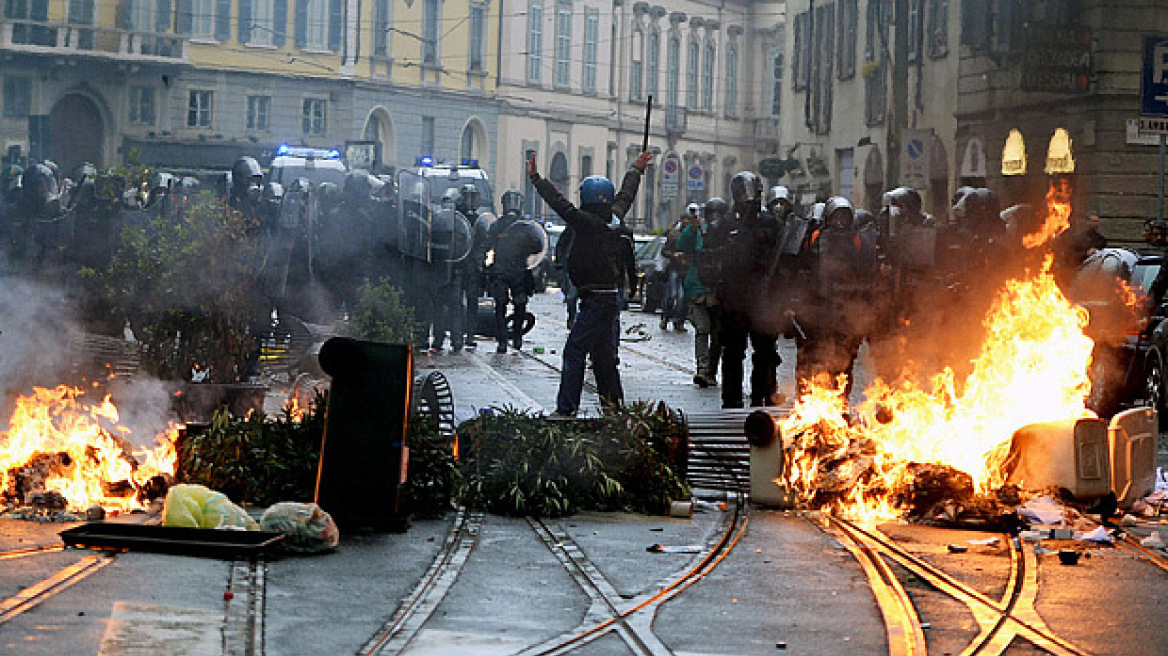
(596, 189)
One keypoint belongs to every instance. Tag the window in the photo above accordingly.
(591, 37)
(478, 42)
(382, 21)
(875, 76)
(428, 135)
(731, 80)
(822, 62)
(142, 16)
(17, 96)
(202, 18)
(776, 83)
(316, 27)
(938, 33)
(467, 150)
(673, 69)
(563, 46)
(708, 79)
(846, 49)
(81, 12)
(585, 166)
(313, 119)
(801, 70)
(430, 20)
(637, 70)
(263, 22)
(141, 106)
(653, 62)
(534, 42)
(914, 29)
(30, 10)
(691, 74)
(199, 108)
(259, 109)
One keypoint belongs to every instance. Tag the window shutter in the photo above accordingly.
(163, 17)
(244, 21)
(336, 22)
(185, 16)
(280, 22)
(301, 31)
(222, 20)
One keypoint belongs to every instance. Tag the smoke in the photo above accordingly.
(37, 328)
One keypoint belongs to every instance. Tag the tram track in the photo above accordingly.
(33, 595)
(999, 621)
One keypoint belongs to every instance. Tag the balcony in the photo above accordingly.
(766, 133)
(44, 37)
(675, 121)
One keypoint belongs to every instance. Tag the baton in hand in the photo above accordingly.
(648, 113)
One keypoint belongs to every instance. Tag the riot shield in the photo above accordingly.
(521, 245)
(450, 236)
(414, 216)
(794, 232)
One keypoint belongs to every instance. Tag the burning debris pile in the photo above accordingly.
(63, 454)
(939, 452)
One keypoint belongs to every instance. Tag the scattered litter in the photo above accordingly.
(656, 529)
(780, 645)
(539, 350)
(689, 548)
(1100, 535)
(1068, 557)
(1061, 534)
(926, 625)
(1042, 510)
(1032, 536)
(229, 595)
(1129, 520)
(1155, 540)
(958, 548)
(988, 542)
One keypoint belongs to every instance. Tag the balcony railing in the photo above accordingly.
(59, 38)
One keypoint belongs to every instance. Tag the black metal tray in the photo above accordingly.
(212, 543)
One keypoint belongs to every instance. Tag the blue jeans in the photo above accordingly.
(591, 335)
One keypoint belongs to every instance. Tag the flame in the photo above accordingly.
(62, 420)
(1058, 214)
(1032, 367)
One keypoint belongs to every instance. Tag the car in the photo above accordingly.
(1128, 362)
(443, 176)
(555, 269)
(317, 164)
(650, 272)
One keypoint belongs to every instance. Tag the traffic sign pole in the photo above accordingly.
(1160, 204)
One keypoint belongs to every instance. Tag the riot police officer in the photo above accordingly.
(511, 241)
(745, 242)
(474, 266)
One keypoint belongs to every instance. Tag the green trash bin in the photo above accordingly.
(363, 458)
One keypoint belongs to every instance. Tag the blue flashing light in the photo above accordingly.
(470, 163)
(334, 154)
(425, 160)
(282, 149)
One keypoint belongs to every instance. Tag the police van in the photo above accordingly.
(317, 164)
(443, 176)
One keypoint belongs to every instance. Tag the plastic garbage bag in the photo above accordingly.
(306, 528)
(1042, 510)
(195, 506)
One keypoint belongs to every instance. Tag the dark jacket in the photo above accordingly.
(594, 261)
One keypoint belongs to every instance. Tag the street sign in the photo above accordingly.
(914, 158)
(670, 177)
(1154, 81)
(695, 178)
(1153, 125)
(1137, 137)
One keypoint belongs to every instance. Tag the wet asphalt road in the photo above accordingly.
(787, 587)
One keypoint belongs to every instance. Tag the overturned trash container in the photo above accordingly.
(364, 456)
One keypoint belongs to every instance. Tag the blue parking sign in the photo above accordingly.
(1154, 81)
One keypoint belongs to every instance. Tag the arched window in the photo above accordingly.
(636, 69)
(653, 61)
(731, 80)
(673, 69)
(708, 78)
(691, 74)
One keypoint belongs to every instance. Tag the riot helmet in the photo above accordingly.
(512, 201)
(56, 170)
(468, 200)
(838, 214)
(816, 213)
(273, 191)
(716, 208)
(597, 190)
(778, 197)
(908, 200)
(745, 187)
(83, 171)
(246, 170)
(692, 209)
(450, 199)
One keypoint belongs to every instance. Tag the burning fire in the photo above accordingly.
(79, 448)
(1031, 368)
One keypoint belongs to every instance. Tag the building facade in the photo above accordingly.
(194, 84)
(574, 88)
